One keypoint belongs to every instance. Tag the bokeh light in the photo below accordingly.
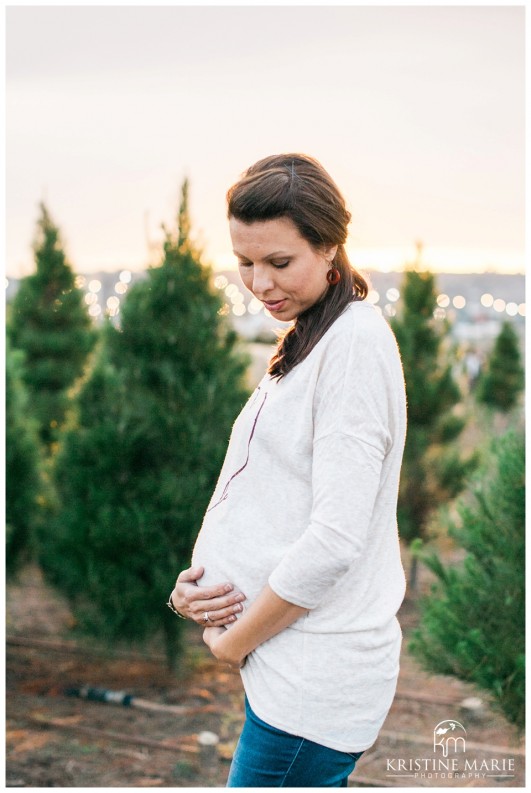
(392, 294)
(499, 305)
(94, 285)
(220, 282)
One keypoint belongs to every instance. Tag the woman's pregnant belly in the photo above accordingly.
(237, 551)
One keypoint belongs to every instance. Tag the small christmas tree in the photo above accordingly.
(503, 380)
(473, 623)
(433, 471)
(23, 466)
(138, 469)
(49, 322)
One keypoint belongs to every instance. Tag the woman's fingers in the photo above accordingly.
(226, 614)
(190, 575)
(209, 592)
(218, 597)
(218, 619)
(218, 623)
(222, 602)
(217, 608)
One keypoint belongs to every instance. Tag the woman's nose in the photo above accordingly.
(263, 280)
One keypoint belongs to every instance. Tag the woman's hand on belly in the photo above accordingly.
(213, 638)
(268, 615)
(213, 606)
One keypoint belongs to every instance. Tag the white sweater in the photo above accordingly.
(306, 500)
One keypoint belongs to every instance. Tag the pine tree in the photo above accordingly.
(433, 471)
(49, 322)
(138, 469)
(23, 466)
(473, 622)
(503, 380)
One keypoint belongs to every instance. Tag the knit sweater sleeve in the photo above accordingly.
(351, 437)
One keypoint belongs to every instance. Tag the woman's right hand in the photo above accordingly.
(221, 602)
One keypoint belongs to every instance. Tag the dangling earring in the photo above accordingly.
(333, 276)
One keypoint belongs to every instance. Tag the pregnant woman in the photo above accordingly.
(296, 573)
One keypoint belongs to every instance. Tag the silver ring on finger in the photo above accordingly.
(206, 618)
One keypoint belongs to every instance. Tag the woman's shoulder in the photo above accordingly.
(359, 343)
(359, 367)
(360, 323)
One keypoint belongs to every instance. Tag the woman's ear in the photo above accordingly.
(330, 253)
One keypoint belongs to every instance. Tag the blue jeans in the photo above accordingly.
(268, 757)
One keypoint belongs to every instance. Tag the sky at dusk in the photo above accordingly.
(416, 111)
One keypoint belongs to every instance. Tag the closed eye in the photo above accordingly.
(276, 265)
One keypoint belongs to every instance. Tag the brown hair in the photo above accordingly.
(297, 187)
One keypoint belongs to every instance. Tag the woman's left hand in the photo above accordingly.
(218, 640)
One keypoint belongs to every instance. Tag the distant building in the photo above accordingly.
(475, 303)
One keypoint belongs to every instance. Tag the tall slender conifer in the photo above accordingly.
(48, 321)
(503, 381)
(433, 469)
(473, 621)
(138, 469)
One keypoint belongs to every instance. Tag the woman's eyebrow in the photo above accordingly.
(269, 255)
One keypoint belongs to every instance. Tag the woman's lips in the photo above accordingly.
(274, 305)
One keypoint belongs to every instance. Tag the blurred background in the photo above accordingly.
(132, 345)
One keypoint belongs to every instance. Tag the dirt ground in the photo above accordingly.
(56, 740)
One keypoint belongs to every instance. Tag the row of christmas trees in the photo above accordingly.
(115, 438)
(472, 621)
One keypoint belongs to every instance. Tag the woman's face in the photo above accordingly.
(279, 266)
